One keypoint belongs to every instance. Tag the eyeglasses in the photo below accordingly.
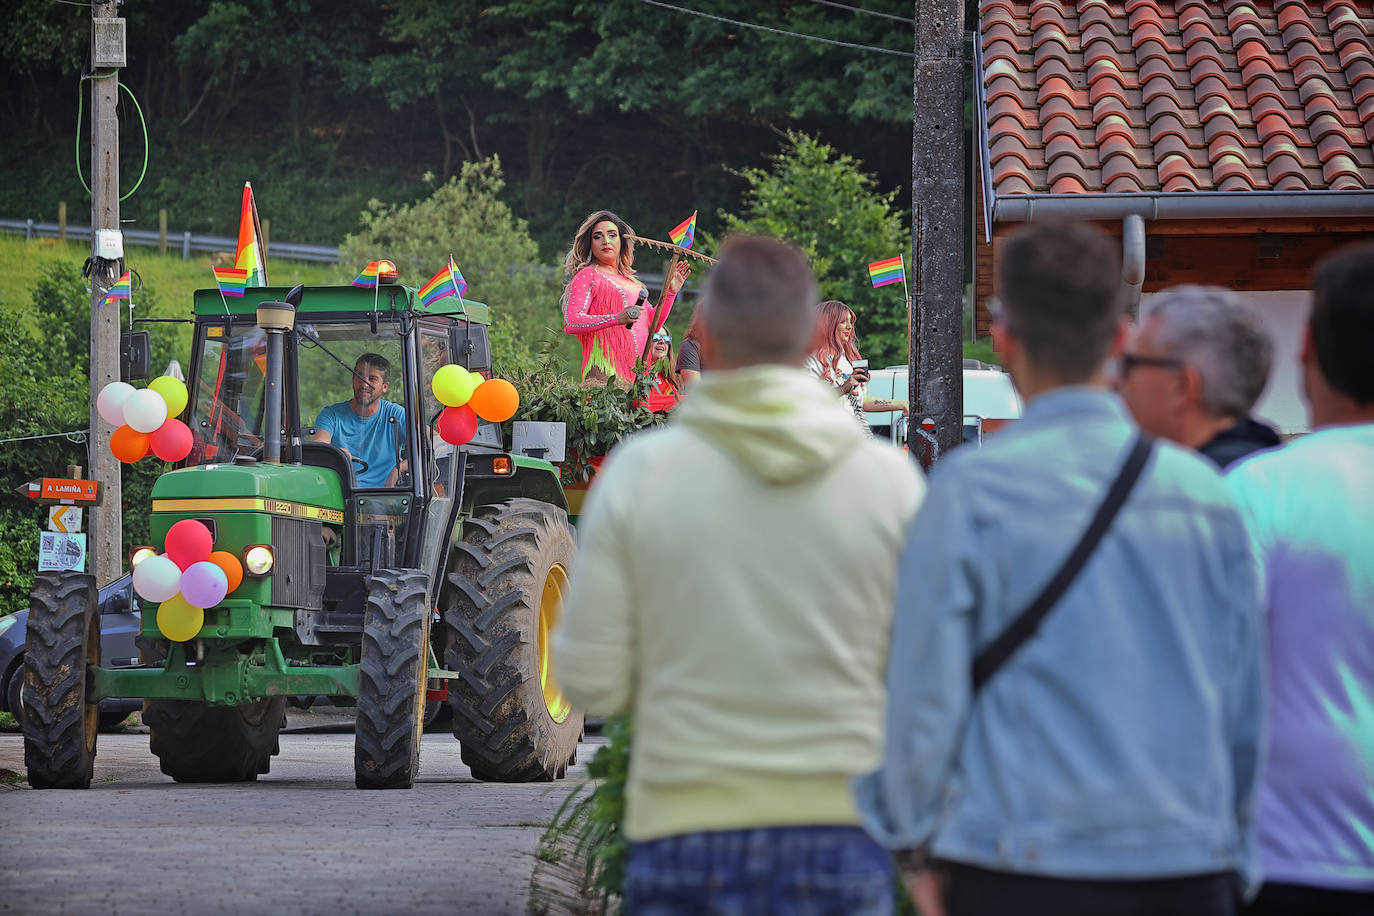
(665, 338)
(1130, 361)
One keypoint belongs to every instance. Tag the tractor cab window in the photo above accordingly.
(351, 392)
(227, 403)
(441, 472)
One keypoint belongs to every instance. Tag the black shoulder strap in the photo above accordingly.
(997, 652)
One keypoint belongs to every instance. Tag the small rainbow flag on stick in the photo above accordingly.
(120, 290)
(368, 278)
(685, 232)
(231, 281)
(891, 270)
(440, 286)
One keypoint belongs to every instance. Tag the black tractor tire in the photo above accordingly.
(12, 688)
(511, 564)
(392, 680)
(60, 723)
(196, 742)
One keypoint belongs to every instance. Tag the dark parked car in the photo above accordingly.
(119, 624)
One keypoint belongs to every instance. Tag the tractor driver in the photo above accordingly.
(363, 427)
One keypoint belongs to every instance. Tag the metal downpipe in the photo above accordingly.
(1132, 260)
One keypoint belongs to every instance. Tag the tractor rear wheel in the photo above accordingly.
(60, 724)
(196, 742)
(502, 598)
(392, 682)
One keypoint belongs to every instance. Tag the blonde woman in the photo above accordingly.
(604, 303)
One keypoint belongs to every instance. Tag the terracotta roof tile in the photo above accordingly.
(1086, 96)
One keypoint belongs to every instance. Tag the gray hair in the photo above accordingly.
(760, 302)
(1220, 334)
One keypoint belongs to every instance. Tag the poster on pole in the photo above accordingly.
(58, 551)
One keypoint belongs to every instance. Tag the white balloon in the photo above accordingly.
(157, 579)
(145, 410)
(110, 401)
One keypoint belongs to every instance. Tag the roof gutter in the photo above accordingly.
(1158, 205)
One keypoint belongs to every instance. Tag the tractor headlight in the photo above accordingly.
(258, 559)
(139, 554)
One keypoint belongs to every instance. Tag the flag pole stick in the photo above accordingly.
(463, 307)
(906, 292)
(376, 284)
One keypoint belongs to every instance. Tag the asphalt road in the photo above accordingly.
(301, 839)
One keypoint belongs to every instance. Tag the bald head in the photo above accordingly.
(760, 304)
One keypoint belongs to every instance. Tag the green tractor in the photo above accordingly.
(450, 571)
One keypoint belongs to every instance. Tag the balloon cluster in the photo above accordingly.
(146, 418)
(466, 396)
(188, 577)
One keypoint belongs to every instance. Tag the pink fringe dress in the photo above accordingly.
(594, 300)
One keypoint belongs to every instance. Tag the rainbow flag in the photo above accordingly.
(892, 270)
(368, 278)
(121, 289)
(440, 286)
(685, 232)
(231, 281)
(252, 252)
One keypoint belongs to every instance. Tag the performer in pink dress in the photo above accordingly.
(600, 300)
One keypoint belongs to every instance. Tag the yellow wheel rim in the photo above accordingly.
(550, 608)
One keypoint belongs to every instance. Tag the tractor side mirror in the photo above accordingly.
(297, 293)
(133, 355)
(474, 348)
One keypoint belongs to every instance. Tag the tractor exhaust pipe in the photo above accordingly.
(277, 319)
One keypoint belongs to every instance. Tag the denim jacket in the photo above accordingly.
(1123, 740)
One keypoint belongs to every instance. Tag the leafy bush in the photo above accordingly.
(825, 205)
(596, 415)
(594, 821)
(44, 389)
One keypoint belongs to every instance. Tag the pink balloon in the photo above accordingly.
(189, 541)
(457, 425)
(204, 584)
(171, 441)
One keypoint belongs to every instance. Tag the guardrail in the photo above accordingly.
(325, 254)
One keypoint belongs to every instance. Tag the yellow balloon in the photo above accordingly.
(173, 391)
(452, 385)
(178, 620)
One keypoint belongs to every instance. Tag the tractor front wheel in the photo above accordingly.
(392, 682)
(60, 723)
(196, 742)
(503, 596)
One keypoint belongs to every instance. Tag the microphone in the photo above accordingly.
(640, 302)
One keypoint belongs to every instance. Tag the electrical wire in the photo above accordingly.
(143, 124)
(857, 9)
(76, 435)
(764, 28)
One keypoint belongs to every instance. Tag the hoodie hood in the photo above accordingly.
(778, 422)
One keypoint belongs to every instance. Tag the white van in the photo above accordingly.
(990, 400)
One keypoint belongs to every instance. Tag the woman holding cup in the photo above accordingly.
(835, 360)
(604, 303)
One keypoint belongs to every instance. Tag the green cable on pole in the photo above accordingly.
(143, 125)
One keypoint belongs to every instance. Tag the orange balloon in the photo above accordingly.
(233, 568)
(128, 444)
(495, 400)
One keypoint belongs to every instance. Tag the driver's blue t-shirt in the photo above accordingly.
(372, 439)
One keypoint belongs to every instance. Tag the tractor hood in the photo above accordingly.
(249, 487)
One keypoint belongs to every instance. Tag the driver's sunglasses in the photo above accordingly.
(1130, 361)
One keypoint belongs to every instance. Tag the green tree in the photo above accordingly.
(44, 389)
(464, 217)
(823, 203)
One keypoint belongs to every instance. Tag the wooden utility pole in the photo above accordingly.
(939, 226)
(107, 265)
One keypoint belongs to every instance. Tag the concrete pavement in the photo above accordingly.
(301, 839)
